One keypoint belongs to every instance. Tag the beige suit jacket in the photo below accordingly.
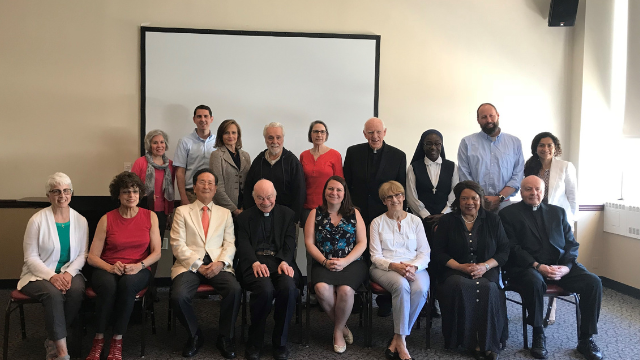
(230, 178)
(189, 243)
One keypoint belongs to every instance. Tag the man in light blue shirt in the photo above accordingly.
(492, 158)
(193, 153)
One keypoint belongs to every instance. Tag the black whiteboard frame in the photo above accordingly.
(147, 29)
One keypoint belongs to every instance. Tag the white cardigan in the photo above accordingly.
(563, 187)
(42, 247)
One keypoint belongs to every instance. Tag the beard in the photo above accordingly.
(490, 128)
(275, 150)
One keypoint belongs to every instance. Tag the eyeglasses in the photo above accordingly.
(206, 183)
(129, 191)
(397, 196)
(321, 132)
(262, 198)
(58, 192)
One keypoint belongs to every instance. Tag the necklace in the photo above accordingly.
(469, 222)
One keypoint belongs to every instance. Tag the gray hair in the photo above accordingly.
(271, 125)
(153, 133)
(384, 126)
(57, 179)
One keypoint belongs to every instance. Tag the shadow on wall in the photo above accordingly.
(540, 7)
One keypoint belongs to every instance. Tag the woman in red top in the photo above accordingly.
(318, 164)
(156, 172)
(126, 243)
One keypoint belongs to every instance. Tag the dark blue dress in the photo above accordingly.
(337, 241)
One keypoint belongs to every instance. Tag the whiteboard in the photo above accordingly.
(256, 78)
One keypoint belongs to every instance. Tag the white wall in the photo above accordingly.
(69, 95)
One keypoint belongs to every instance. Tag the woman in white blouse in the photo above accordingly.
(559, 178)
(55, 250)
(400, 255)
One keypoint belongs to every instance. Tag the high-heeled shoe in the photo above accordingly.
(348, 338)
(390, 355)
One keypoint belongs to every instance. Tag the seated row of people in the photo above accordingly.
(470, 245)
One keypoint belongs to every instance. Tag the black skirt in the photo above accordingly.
(353, 275)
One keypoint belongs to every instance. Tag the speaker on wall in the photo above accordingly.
(563, 12)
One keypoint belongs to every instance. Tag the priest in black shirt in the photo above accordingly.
(544, 251)
(266, 237)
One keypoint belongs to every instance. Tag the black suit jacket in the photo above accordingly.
(248, 232)
(393, 166)
(522, 232)
(451, 243)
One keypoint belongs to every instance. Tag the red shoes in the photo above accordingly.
(115, 350)
(96, 349)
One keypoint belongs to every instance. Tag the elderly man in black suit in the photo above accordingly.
(366, 167)
(266, 236)
(544, 251)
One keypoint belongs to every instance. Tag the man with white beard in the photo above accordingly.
(281, 167)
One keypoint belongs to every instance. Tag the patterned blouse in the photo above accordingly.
(545, 178)
(335, 241)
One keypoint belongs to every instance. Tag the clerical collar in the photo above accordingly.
(534, 207)
(266, 214)
(376, 151)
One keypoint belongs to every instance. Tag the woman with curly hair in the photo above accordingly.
(126, 243)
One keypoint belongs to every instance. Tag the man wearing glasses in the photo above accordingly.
(203, 243)
(366, 167)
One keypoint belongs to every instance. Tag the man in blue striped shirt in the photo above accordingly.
(492, 158)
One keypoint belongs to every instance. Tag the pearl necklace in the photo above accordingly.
(470, 222)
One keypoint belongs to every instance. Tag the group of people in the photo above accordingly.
(238, 224)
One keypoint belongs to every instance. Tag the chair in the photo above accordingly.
(362, 292)
(16, 301)
(146, 308)
(377, 289)
(553, 292)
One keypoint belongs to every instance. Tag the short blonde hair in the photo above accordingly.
(57, 179)
(153, 133)
(390, 188)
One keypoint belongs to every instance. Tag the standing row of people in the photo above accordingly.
(336, 227)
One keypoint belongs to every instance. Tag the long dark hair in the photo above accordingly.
(533, 164)
(346, 207)
(460, 187)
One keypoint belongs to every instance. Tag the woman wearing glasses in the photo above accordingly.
(335, 237)
(126, 243)
(55, 245)
(400, 255)
(318, 164)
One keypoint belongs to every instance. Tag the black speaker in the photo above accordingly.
(563, 12)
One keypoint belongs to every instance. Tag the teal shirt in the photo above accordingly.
(64, 238)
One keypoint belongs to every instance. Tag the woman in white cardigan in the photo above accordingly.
(55, 250)
(559, 178)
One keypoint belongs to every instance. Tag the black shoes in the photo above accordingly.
(227, 347)
(193, 344)
(589, 349)
(539, 347)
(251, 352)
(390, 355)
(384, 311)
(280, 352)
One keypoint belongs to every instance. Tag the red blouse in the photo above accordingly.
(160, 202)
(127, 240)
(316, 173)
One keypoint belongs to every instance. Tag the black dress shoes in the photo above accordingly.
(193, 344)
(280, 352)
(539, 347)
(251, 352)
(227, 347)
(589, 349)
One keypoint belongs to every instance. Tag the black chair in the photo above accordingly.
(553, 292)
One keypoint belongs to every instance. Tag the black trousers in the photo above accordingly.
(117, 292)
(264, 290)
(59, 309)
(532, 287)
(183, 289)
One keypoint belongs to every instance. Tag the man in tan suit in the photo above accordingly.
(202, 241)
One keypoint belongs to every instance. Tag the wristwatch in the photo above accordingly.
(486, 266)
(502, 198)
(143, 265)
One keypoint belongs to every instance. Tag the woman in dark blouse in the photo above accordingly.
(469, 247)
(335, 237)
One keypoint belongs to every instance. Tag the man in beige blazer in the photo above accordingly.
(202, 241)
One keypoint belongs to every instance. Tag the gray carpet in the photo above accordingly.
(619, 336)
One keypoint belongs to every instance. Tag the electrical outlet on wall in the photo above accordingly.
(127, 166)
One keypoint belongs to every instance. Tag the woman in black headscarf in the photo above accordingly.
(430, 178)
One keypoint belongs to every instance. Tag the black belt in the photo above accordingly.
(266, 253)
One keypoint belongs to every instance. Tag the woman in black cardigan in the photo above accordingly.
(469, 247)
